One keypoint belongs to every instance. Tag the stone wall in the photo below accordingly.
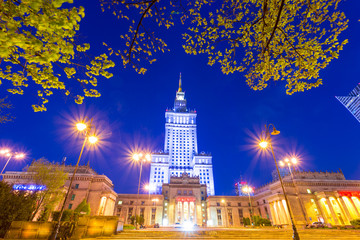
(87, 227)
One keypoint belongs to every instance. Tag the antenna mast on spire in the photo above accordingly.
(180, 89)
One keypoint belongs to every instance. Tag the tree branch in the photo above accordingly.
(276, 23)
(138, 26)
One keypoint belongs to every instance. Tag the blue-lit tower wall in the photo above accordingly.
(180, 149)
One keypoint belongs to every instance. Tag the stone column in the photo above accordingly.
(354, 205)
(332, 211)
(321, 210)
(286, 210)
(280, 212)
(182, 212)
(344, 208)
(273, 214)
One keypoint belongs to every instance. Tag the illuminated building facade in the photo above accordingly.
(315, 196)
(352, 102)
(98, 190)
(180, 153)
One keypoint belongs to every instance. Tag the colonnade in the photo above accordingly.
(185, 211)
(336, 210)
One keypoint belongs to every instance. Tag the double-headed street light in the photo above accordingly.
(264, 144)
(89, 136)
(143, 158)
(248, 190)
(149, 188)
(7, 153)
(291, 163)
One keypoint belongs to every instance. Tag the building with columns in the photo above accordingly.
(180, 153)
(313, 196)
(96, 189)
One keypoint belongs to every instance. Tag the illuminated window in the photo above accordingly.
(119, 202)
(308, 191)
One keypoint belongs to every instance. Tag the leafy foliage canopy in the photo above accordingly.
(38, 49)
(287, 40)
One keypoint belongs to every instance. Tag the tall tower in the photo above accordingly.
(352, 102)
(180, 153)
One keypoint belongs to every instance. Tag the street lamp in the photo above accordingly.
(148, 187)
(292, 162)
(264, 144)
(9, 154)
(142, 158)
(92, 139)
(247, 189)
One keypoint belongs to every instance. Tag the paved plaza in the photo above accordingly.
(241, 233)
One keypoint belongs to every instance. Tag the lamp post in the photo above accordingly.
(142, 158)
(247, 189)
(290, 163)
(264, 144)
(9, 154)
(92, 139)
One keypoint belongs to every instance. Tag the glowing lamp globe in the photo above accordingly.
(93, 139)
(4, 151)
(19, 156)
(263, 144)
(136, 157)
(80, 126)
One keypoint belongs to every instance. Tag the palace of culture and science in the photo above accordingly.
(180, 153)
(182, 187)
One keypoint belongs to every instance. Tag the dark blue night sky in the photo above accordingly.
(130, 113)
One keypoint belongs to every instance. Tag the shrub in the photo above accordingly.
(246, 221)
(83, 208)
(128, 227)
(259, 221)
(139, 220)
(68, 215)
(14, 206)
(355, 222)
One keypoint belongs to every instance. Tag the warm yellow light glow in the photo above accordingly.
(148, 157)
(93, 139)
(4, 151)
(247, 189)
(136, 157)
(80, 126)
(19, 155)
(222, 200)
(281, 163)
(294, 161)
(263, 144)
(286, 160)
(8, 154)
(155, 200)
(147, 187)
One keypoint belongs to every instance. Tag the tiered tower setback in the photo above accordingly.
(180, 149)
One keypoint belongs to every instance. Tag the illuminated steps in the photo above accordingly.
(269, 234)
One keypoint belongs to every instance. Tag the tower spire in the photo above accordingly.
(180, 89)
